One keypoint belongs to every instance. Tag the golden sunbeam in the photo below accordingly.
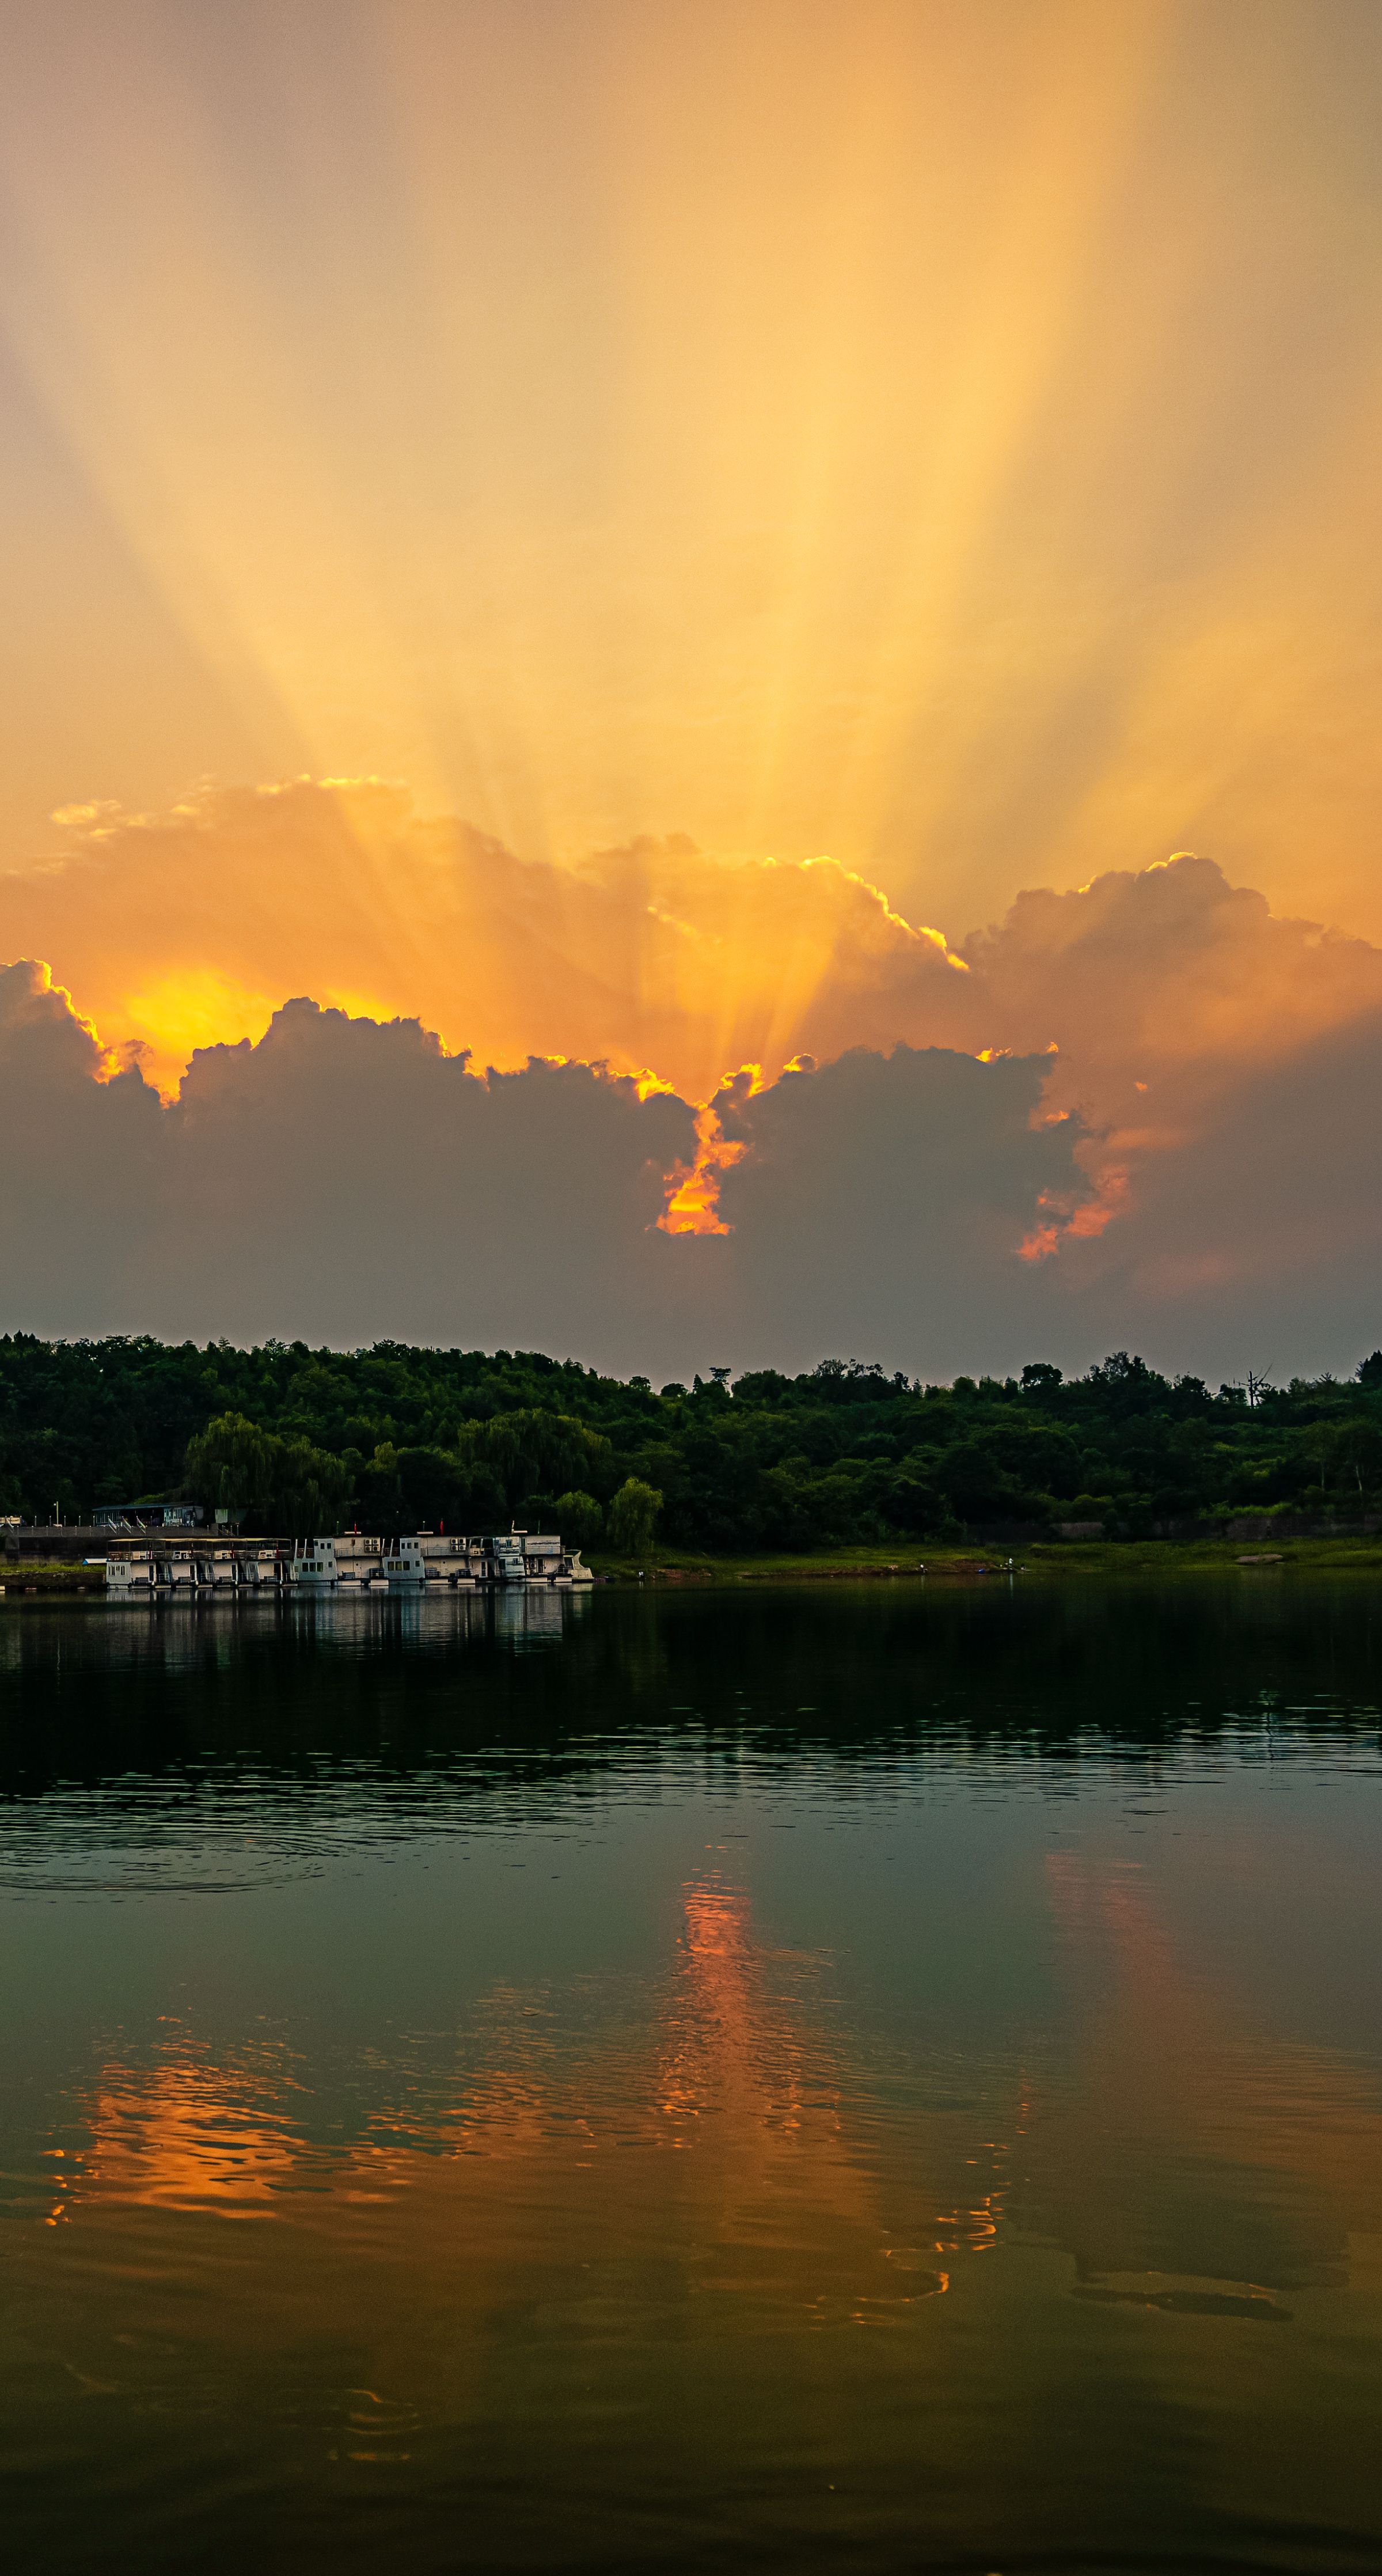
(938, 437)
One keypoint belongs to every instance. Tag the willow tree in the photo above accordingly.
(632, 1517)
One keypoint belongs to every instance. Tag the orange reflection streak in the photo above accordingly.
(726, 2143)
(721, 2140)
(732, 2049)
(177, 2138)
(1173, 2080)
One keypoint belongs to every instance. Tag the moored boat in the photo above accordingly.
(409, 1562)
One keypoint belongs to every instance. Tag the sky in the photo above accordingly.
(818, 563)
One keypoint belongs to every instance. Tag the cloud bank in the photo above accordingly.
(340, 1179)
(176, 930)
(1144, 1109)
(343, 1180)
(179, 930)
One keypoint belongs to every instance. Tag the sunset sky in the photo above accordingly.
(685, 538)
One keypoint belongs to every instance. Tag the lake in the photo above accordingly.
(824, 2078)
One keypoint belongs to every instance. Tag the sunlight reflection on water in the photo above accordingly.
(803, 2081)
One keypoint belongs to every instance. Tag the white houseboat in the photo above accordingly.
(191, 1571)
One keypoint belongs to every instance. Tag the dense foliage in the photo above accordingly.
(400, 1438)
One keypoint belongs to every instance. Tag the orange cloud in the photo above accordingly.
(1154, 990)
(652, 956)
(693, 1189)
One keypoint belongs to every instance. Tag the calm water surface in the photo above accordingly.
(803, 2079)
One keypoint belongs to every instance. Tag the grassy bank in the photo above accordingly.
(1054, 1559)
(16, 1580)
(1042, 1560)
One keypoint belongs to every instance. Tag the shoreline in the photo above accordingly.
(1039, 1561)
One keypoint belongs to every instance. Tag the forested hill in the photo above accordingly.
(401, 1438)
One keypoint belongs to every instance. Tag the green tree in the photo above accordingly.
(381, 1490)
(632, 1517)
(310, 1489)
(296, 1487)
(1349, 1456)
(232, 1464)
(579, 1519)
(531, 1451)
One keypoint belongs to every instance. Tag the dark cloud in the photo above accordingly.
(82, 1162)
(345, 1180)
(881, 1205)
(357, 1179)
(340, 1180)
(1257, 1242)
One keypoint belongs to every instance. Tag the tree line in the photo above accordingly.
(294, 1440)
